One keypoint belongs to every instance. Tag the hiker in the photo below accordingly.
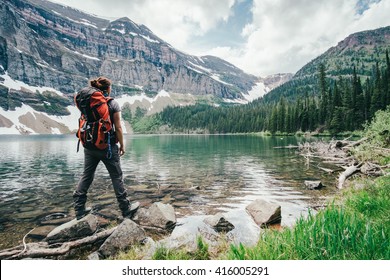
(99, 131)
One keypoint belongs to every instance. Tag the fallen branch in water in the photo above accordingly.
(327, 170)
(355, 143)
(338, 152)
(287, 147)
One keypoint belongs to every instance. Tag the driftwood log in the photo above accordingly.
(338, 152)
(44, 249)
(349, 171)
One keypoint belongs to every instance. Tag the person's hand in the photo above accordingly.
(122, 151)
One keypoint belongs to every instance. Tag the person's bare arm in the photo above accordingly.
(119, 132)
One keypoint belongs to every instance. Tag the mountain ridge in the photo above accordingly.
(81, 50)
(354, 48)
(360, 51)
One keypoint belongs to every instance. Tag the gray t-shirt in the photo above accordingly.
(113, 107)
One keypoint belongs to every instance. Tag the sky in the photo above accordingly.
(262, 37)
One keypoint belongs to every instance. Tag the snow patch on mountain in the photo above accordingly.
(256, 92)
(19, 85)
(26, 120)
(142, 97)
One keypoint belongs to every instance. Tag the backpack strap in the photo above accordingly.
(109, 150)
(78, 145)
(112, 132)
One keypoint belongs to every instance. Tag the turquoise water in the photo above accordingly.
(197, 174)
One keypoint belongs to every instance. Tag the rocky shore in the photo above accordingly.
(93, 237)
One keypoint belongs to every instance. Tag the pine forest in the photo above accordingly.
(334, 105)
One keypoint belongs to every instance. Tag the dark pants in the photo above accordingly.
(91, 161)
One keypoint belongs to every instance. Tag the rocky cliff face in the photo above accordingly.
(49, 51)
(45, 44)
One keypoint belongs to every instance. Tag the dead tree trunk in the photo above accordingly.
(349, 171)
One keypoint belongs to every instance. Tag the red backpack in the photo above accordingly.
(95, 126)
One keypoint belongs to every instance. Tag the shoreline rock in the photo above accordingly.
(237, 226)
(73, 229)
(128, 233)
(264, 213)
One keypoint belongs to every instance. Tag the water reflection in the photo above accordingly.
(198, 174)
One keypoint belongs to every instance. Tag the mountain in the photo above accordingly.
(361, 50)
(49, 51)
(338, 91)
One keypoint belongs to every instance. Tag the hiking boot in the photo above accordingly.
(83, 212)
(129, 213)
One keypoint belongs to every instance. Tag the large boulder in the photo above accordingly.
(159, 217)
(73, 229)
(189, 229)
(186, 234)
(219, 223)
(127, 234)
(264, 213)
(245, 231)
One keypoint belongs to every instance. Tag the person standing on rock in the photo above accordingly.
(107, 150)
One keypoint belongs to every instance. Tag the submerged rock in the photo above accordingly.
(189, 229)
(40, 233)
(185, 235)
(58, 221)
(264, 213)
(314, 185)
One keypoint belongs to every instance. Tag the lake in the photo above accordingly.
(197, 174)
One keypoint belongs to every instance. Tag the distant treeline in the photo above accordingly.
(338, 104)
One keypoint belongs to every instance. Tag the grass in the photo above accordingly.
(357, 230)
(201, 253)
(163, 253)
(355, 226)
(376, 148)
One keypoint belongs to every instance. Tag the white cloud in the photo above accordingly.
(248, 30)
(283, 36)
(174, 21)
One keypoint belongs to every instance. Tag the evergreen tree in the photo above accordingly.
(376, 100)
(342, 105)
(336, 125)
(386, 81)
(337, 101)
(126, 113)
(281, 115)
(273, 125)
(367, 99)
(357, 102)
(323, 94)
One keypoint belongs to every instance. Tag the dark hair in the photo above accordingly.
(101, 83)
